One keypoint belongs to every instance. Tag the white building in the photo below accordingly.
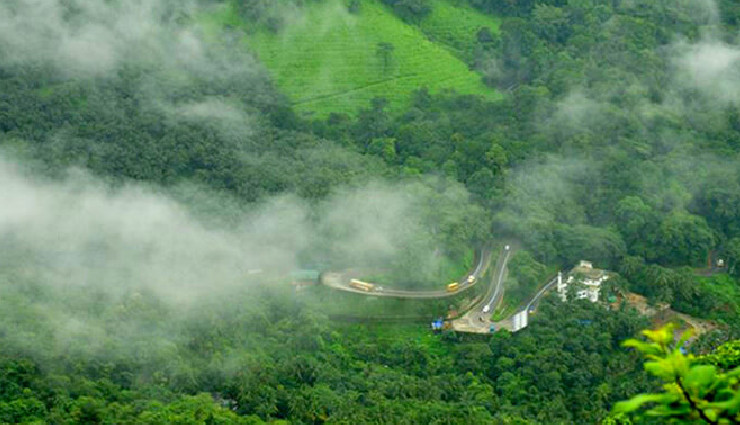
(520, 321)
(587, 279)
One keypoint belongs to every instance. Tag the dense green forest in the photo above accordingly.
(161, 174)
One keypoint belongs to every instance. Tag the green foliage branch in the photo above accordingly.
(691, 390)
(726, 356)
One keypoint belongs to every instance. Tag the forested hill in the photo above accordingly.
(165, 164)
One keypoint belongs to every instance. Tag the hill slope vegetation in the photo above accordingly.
(330, 60)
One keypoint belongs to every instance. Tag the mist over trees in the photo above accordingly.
(155, 185)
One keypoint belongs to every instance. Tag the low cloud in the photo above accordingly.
(713, 67)
(89, 37)
(79, 232)
(229, 118)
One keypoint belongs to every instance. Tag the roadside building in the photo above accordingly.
(586, 279)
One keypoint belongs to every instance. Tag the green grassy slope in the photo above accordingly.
(327, 59)
(455, 24)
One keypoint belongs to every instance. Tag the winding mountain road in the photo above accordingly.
(341, 280)
(478, 319)
(539, 294)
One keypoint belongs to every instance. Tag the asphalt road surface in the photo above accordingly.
(341, 280)
(539, 294)
(476, 317)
